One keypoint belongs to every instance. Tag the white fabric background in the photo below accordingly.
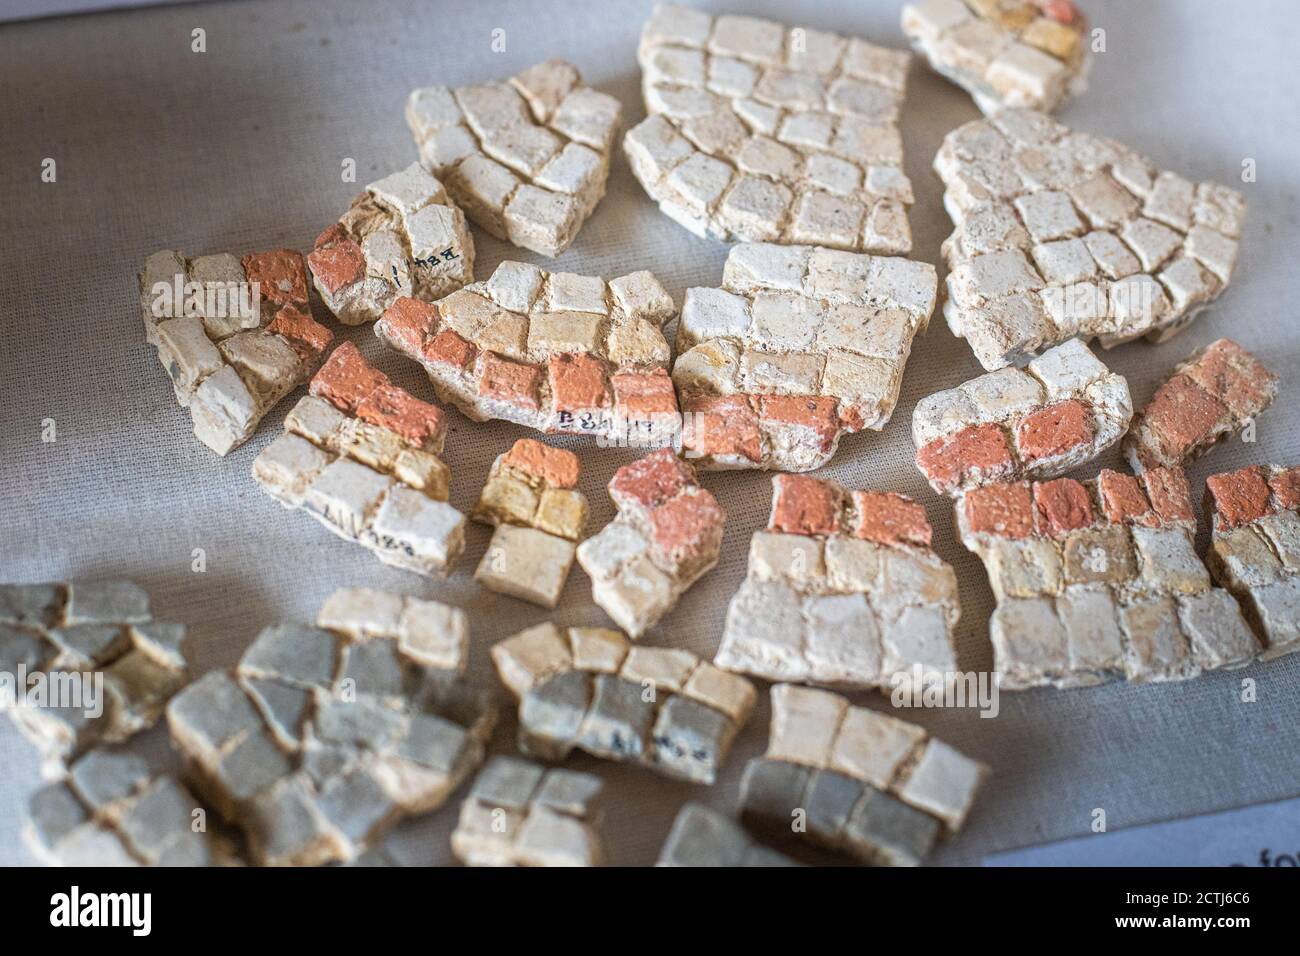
(240, 148)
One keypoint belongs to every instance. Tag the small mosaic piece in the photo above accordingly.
(800, 346)
(1031, 53)
(761, 133)
(519, 813)
(702, 836)
(1255, 550)
(555, 351)
(113, 810)
(527, 158)
(322, 737)
(1209, 397)
(842, 589)
(587, 688)
(666, 536)
(870, 786)
(1099, 581)
(88, 665)
(1062, 234)
(401, 237)
(1064, 409)
(360, 455)
(234, 335)
(531, 497)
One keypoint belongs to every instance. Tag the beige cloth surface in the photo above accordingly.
(240, 148)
